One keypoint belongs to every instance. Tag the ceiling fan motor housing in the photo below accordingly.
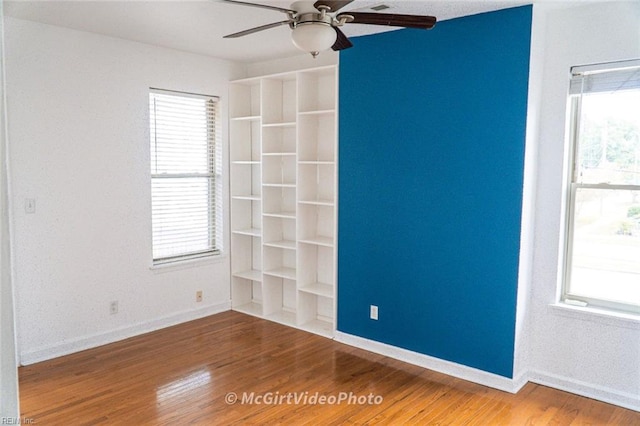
(313, 18)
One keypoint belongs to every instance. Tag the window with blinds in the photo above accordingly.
(185, 176)
(603, 216)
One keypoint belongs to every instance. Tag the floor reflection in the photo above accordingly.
(183, 386)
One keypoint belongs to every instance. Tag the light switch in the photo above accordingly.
(30, 205)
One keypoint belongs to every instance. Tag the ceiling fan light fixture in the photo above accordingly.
(313, 37)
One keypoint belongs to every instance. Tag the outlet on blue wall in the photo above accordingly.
(432, 131)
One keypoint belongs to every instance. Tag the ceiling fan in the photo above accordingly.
(316, 27)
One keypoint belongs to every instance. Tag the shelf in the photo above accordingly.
(284, 124)
(327, 202)
(317, 162)
(251, 308)
(285, 244)
(252, 232)
(318, 241)
(280, 185)
(284, 316)
(246, 197)
(246, 118)
(318, 112)
(285, 215)
(288, 273)
(246, 162)
(316, 326)
(320, 289)
(277, 154)
(253, 275)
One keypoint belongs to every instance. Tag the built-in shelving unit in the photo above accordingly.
(283, 146)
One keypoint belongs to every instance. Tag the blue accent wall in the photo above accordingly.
(432, 133)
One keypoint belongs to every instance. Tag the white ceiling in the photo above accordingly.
(198, 26)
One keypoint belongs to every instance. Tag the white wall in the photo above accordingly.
(587, 354)
(9, 403)
(522, 346)
(78, 131)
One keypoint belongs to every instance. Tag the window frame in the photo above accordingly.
(215, 207)
(572, 187)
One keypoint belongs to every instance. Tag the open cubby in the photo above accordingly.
(279, 100)
(316, 90)
(246, 275)
(246, 180)
(316, 134)
(248, 250)
(246, 296)
(316, 313)
(316, 224)
(279, 140)
(280, 301)
(316, 269)
(245, 135)
(316, 183)
(279, 170)
(248, 217)
(280, 232)
(279, 262)
(244, 99)
(279, 201)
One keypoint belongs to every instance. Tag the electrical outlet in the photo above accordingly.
(373, 312)
(113, 307)
(199, 296)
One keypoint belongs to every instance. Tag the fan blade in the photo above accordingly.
(342, 42)
(256, 29)
(333, 5)
(409, 21)
(263, 6)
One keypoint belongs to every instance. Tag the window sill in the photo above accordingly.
(600, 316)
(187, 264)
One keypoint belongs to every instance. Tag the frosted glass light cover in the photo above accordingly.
(313, 37)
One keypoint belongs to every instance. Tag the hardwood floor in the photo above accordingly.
(188, 374)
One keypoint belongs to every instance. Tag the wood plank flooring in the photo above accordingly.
(189, 374)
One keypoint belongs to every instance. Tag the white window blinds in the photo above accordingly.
(624, 75)
(185, 176)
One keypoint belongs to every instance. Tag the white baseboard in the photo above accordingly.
(441, 366)
(589, 390)
(88, 342)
